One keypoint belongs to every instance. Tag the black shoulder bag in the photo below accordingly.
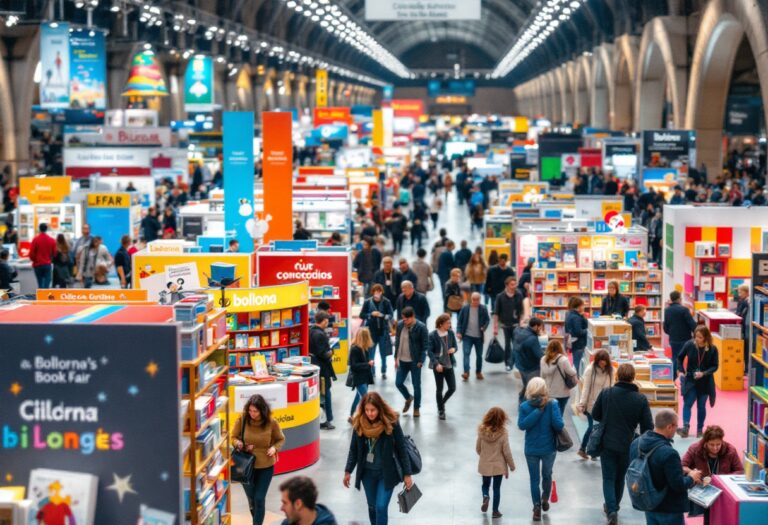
(241, 470)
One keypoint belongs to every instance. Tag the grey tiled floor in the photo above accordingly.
(449, 480)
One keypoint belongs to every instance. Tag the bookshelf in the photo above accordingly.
(756, 454)
(204, 411)
(275, 334)
(553, 287)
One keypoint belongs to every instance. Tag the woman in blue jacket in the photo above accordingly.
(540, 418)
(576, 329)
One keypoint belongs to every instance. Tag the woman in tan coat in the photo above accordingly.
(476, 272)
(597, 377)
(261, 437)
(495, 456)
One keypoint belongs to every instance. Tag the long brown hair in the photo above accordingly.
(256, 400)
(387, 414)
(554, 349)
(493, 420)
(706, 334)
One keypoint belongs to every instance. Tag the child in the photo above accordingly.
(495, 456)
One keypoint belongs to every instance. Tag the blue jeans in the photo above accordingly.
(361, 391)
(662, 518)
(384, 344)
(578, 355)
(256, 492)
(562, 402)
(476, 287)
(467, 342)
(403, 370)
(325, 399)
(585, 439)
(701, 407)
(540, 473)
(43, 275)
(377, 496)
(677, 347)
(496, 489)
(509, 350)
(614, 466)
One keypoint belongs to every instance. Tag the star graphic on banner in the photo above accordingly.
(48, 339)
(104, 361)
(15, 388)
(152, 369)
(133, 390)
(102, 397)
(121, 486)
(164, 476)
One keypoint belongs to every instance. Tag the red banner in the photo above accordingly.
(336, 115)
(413, 108)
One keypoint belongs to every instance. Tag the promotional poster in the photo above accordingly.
(54, 65)
(198, 84)
(88, 65)
(239, 215)
(89, 424)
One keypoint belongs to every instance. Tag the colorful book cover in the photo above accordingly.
(569, 254)
(59, 494)
(286, 317)
(266, 320)
(275, 316)
(661, 373)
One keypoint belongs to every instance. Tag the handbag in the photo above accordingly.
(406, 499)
(455, 302)
(595, 441)
(571, 381)
(241, 470)
(563, 441)
(494, 353)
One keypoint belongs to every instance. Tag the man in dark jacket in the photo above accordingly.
(406, 274)
(417, 301)
(528, 350)
(298, 497)
(678, 325)
(389, 278)
(366, 262)
(7, 272)
(507, 312)
(150, 227)
(378, 317)
(446, 263)
(666, 469)
(620, 409)
(497, 275)
(461, 257)
(411, 340)
(321, 355)
(397, 224)
(637, 321)
(473, 320)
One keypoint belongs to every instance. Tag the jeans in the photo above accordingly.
(405, 368)
(496, 489)
(361, 391)
(397, 242)
(540, 473)
(526, 377)
(701, 407)
(87, 282)
(476, 287)
(662, 518)
(416, 237)
(578, 355)
(614, 466)
(384, 344)
(377, 496)
(585, 439)
(256, 492)
(467, 342)
(509, 354)
(43, 274)
(325, 399)
(447, 376)
(677, 347)
(562, 402)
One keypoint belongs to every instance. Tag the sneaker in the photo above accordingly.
(545, 504)
(537, 513)
(479, 376)
(465, 376)
(416, 412)
(582, 454)
(441, 415)
(496, 514)
(613, 518)
(484, 506)
(683, 432)
(509, 369)
(383, 376)
(407, 405)
(327, 426)
(699, 433)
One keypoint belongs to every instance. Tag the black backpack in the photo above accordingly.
(414, 456)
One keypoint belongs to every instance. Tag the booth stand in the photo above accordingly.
(735, 504)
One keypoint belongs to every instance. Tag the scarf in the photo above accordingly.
(370, 429)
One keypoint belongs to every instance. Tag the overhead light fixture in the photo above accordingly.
(548, 17)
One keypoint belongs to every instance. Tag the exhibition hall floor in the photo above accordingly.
(449, 479)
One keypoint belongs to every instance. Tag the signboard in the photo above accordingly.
(272, 297)
(88, 295)
(277, 168)
(45, 190)
(412, 108)
(465, 88)
(399, 10)
(83, 162)
(110, 136)
(620, 149)
(387, 92)
(331, 132)
(742, 118)
(336, 115)
(662, 147)
(570, 160)
(54, 65)
(198, 85)
(88, 64)
(95, 399)
(239, 216)
(321, 88)
(451, 99)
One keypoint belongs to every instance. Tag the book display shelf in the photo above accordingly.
(756, 455)
(552, 289)
(204, 411)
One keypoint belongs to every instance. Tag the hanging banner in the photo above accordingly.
(321, 88)
(88, 63)
(145, 78)
(398, 10)
(54, 65)
(239, 217)
(663, 147)
(387, 92)
(198, 85)
(45, 190)
(277, 167)
(742, 118)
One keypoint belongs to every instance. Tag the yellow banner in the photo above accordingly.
(616, 206)
(103, 296)
(263, 298)
(45, 190)
(378, 129)
(520, 125)
(109, 200)
(321, 88)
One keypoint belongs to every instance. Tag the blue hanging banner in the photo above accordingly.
(239, 215)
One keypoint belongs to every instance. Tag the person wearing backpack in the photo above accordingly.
(540, 418)
(558, 373)
(376, 439)
(620, 409)
(495, 456)
(657, 484)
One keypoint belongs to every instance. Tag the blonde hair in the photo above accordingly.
(456, 271)
(363, 339)
(537, 387)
